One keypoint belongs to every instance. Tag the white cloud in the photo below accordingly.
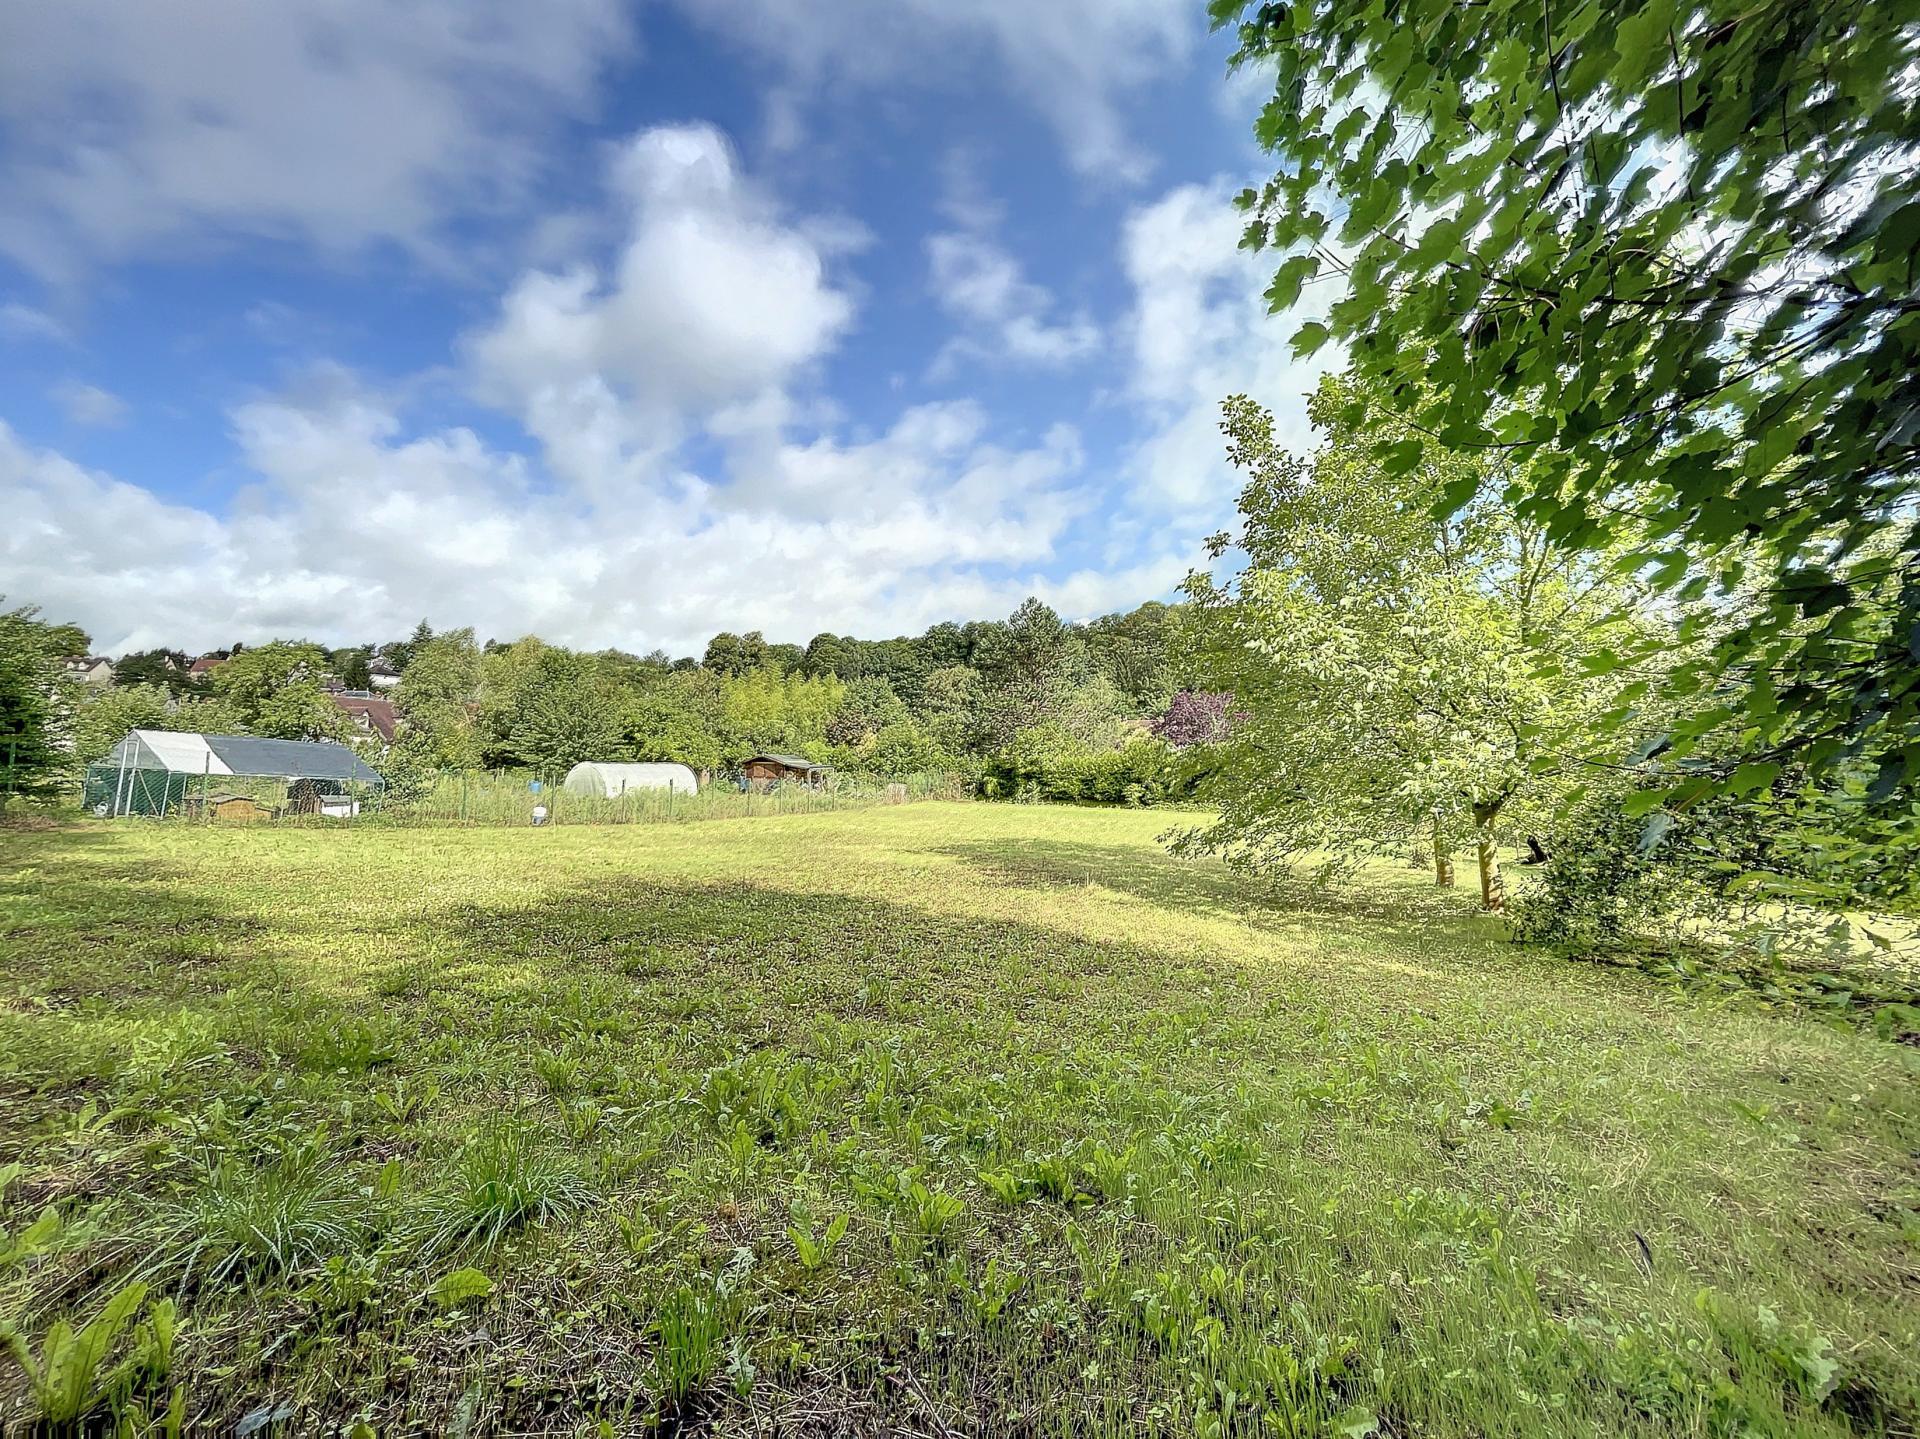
(90, 405)
(713, 301)
(24, 322)
(353, 525)
(1200, 331)
(683, 476)
(332, 122)
(980, 284)
(1074, 61)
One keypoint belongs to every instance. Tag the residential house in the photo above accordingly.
(371, 713)
(89, 669)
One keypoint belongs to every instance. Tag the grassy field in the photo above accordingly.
(936, 1119)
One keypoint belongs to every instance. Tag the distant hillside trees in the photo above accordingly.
(1021, 705)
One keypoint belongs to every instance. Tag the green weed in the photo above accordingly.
(503, 1183)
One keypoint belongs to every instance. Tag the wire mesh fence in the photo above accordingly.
(475, 798)
(512, 798)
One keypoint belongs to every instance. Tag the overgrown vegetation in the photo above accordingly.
(949, 1118)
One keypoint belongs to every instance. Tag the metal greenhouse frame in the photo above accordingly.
(161, 772)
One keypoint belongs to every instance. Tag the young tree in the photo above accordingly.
(1396, 673)
(438, 697)
(35, 701)
(1663, 254)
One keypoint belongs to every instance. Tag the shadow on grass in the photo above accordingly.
(1208, 887)
(676, 978)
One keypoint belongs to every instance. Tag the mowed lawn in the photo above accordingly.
(937, 1119)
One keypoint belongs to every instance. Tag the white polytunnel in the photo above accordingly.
(610, 781)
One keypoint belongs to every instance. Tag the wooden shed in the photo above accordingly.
(764, 771)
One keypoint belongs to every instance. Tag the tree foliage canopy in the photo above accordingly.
(1397, 670)
(1662, 256)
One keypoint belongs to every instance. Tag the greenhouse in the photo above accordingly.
(160, 772)
(610, 781)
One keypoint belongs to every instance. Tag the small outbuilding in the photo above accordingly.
(763, 771)
(610, 781)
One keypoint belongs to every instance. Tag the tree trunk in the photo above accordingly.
(1492, 898)
(1442, 858)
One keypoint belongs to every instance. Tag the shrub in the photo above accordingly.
(1046, 762)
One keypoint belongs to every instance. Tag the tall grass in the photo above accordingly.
(506, 797)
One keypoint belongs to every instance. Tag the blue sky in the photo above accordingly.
(616, 323)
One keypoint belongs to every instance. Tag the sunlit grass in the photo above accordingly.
(1110, 1143)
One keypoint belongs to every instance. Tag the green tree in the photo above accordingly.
(1659, 255)
(438, 697)
(766, 710)
(1133, 650)
(951, 704)
(102, 719)
(351, 666)
(867, 706)
(731, 654)
(567, 714)
(156, 667)
(35, 702)
(507, 674)
(274, 690)
(1400, 672)
(679, 719)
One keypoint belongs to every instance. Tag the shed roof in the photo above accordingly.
(788, 761)
(183, 753)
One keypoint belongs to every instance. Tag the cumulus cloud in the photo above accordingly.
(682, 474)
(353, 523)
(713, 301)
(332, 122)
(90, 405)
(1006, 316)
(1075, 62)
(1199, 331)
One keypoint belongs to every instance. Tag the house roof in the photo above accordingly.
(787, 761)
(380, 715)
(227, 754)
(206, 664)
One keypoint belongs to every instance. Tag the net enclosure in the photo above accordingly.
(159, 772)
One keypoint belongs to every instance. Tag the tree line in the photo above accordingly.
(1030, 705)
